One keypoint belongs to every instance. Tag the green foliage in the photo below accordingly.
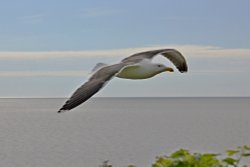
(183, 158)
(232, 152)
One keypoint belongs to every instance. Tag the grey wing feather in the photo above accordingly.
(92, 86)
(98, 66)
(176, 58)
(82, 94)
(173, 55)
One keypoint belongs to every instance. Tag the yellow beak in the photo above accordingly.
(169, 69)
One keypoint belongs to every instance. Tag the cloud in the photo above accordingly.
(213, 51)
(212, 72)
(43, 73)
(188, 50)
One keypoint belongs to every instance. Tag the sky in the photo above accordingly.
(48, 48)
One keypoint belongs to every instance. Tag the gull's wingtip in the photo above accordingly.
(184, 71)
(61, 111)
(183, 68)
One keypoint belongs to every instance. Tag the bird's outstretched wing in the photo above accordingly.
(92, 86)
(173, 55)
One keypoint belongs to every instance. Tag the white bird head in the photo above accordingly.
(162, 68)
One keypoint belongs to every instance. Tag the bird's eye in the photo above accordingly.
(159, 65)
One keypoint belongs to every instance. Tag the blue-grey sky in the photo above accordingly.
(48, 47)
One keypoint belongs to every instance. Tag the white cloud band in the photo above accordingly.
(187, 50)
(43, 73)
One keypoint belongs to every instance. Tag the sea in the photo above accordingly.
(121, 130)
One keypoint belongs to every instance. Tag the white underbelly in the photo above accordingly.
(135, 72)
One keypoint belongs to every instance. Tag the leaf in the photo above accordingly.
(211, 155)
(246, 147)
(179, 153)
(230, 161)
(245, 154)
(208, 160)
(232, 152)
(162, 161)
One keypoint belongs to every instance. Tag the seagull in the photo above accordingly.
(136, 66)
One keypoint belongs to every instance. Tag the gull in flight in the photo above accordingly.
(136, 66)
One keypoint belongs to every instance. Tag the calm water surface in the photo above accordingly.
(122, 130)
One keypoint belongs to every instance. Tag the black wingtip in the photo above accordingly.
(183, 68)
(61, 111)
(184, 71)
